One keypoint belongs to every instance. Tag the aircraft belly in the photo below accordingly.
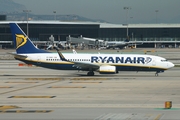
(57, 66)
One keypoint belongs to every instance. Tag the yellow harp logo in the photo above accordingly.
(20, 40)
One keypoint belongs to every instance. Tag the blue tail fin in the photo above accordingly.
(21, 41)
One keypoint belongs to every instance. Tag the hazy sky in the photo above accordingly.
(142, 11)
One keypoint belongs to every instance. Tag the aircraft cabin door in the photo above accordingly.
(154, 62)
(38, 60)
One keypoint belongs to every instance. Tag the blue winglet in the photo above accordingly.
(21, 41)
(61, 55)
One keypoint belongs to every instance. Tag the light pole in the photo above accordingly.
(131, 20)
(127, 12)
(156, 15)
(27, 11)
(54, 15)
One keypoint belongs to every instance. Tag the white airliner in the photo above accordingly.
(121, 44)
(102, 63)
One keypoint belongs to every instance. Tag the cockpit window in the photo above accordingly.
(164, 60)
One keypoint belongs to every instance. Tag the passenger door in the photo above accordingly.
(154, 62)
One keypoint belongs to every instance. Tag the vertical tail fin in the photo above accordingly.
(21, 41)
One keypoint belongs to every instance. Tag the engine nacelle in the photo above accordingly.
(107, 70)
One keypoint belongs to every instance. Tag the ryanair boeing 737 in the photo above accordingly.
(102, 63)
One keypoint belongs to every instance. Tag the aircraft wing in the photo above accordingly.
(85, 65)
(79, 65)
(18, 56)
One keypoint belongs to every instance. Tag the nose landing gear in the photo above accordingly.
(157, 73)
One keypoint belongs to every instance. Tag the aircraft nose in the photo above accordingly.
(171, 65)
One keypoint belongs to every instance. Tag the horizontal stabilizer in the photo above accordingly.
(18, 56)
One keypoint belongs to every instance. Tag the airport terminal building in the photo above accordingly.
(152, 35)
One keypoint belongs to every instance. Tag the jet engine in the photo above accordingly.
(107, 70)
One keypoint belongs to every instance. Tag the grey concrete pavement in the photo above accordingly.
(48, 94)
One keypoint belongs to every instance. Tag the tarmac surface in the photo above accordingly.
(34, 93)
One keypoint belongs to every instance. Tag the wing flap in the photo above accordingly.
(86, 65)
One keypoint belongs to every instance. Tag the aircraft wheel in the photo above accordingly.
(90, 73)
(156, 74)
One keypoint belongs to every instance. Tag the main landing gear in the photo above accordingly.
(90, 73)
(156, 74)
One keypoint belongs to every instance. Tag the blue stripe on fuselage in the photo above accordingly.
(59, 66)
